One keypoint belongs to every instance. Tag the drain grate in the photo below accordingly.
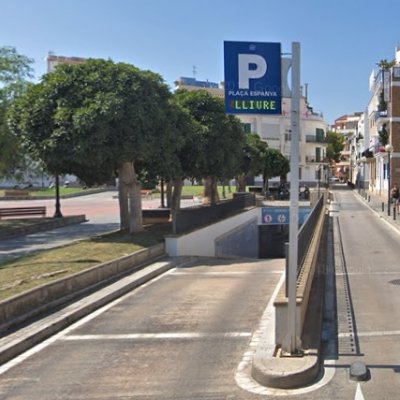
(347, 331)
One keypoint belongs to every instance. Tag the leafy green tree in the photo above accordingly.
(96, 119)
(383, 135)
(275, 164)
(219, 144)
(254, 153)
(15, 71)
(335, 145)
(178, 161)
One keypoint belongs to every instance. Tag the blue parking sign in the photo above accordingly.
(252, 77)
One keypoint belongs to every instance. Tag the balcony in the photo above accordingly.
(380, 114)
(313, 159)
(315, 139)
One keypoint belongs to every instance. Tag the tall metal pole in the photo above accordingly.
(291, 343)
(162, 193)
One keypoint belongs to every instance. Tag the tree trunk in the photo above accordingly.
(210, 191)
(265, 185)
(176, 198)
(130, 200)
(169, 194)
(207, 191)
(241, 183)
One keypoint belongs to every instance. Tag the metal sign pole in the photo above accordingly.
(290, 345)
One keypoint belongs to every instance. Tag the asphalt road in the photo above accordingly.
(362, 317)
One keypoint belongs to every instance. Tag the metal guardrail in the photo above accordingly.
(304, 237)
(305, 233)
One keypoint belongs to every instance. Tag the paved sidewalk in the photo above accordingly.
(101, 212)
(380, 206)
(23, 245)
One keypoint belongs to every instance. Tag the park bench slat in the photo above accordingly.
(22, 211)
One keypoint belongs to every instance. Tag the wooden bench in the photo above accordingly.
(16, 193)
(187, 197)
(22, 211)
(146, 193)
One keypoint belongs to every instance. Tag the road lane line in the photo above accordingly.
(369, 334)
(154, 336)
(225, 273)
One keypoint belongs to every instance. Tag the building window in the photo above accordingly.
(318, 154)
(319, 135)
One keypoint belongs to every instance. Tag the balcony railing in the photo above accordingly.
(315, 139)
(313, 159)
(380, 114)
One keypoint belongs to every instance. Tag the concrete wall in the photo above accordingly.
(202, 242)
(241, 241)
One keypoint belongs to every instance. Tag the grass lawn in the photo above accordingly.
(47, 192)
(186, 190)
(52, 191)
(199, 190)
(19, 275)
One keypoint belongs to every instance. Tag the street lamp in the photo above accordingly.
(389, 149)
(57, 213)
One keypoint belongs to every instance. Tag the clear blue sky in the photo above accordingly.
(341, 41)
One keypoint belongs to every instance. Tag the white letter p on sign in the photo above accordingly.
(245, 73)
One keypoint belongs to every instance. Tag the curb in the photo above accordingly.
(34, 333)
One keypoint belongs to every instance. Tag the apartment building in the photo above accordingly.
(349, 127)
(276, 131)
(383, 116)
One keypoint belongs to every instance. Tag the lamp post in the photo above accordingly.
(57, 213)
(389, 149)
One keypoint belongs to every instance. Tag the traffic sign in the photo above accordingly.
(252, 77)
(280, 215)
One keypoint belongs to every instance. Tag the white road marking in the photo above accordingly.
(369, 334)
(359, 393)
(225, 273)
(366, 273)
(162, 336)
